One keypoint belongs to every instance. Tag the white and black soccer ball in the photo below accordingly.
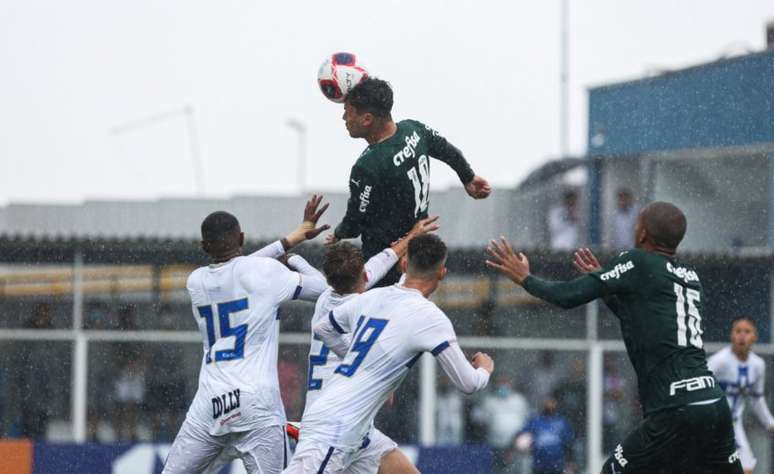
(338, 74)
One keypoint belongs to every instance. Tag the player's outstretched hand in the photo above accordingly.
(312, 214)
(331, 239)
(585, 261)
(506, 261)
(482, 360)
(308, 229)
(478, 188)
(424, 226)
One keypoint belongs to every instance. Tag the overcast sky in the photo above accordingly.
(485, 74)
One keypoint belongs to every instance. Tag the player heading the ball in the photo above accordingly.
(389, 184)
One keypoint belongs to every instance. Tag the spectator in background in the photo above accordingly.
(563, 223)
(544, 378)
(549, 438)
(449, 420)
(289, 374)
(34, 382)
(571, 395)
(127, 317)
(623, 220)
(613, 417)
(128, 398)
(502, 412)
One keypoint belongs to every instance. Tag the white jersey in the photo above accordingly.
(236, 306)
(391, 328)
(740, 380)
(322, 362)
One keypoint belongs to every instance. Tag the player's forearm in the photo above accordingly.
(350, 227)
(313, 282)
(379, 265)
(273, 250)
(331, 334)
(565, 294)
(460, 372)
(452, 156)
(761, 411)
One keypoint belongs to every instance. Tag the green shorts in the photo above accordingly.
(690, 439)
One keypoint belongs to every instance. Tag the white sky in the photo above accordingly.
(485, 74)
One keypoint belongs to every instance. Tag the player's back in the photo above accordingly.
(235, 305)
(659, 303)
(737, 378)
(391, 328)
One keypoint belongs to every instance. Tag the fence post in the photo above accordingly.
(427, 397)
(594, 408)
(80, 355)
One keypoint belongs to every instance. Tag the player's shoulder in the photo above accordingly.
(252, 263)
(721, 356)
(757, 360)
(195, 277)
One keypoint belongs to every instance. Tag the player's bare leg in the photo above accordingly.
(395, 462)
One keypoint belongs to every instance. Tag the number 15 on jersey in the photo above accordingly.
(224, 312)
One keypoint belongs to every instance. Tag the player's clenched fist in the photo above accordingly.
(478, 188)
(483, 361)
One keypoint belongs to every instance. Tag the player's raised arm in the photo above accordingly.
(566, 295)
(440, 149)
(380, 264)
(339, 322)
(362, 191)
(307, 230)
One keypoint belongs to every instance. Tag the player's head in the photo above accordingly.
(222, 237)
(344, 268)
(426, 259)
(744, 333)
(660, 226)
(368, 106)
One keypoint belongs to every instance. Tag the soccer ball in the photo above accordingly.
(339, 74)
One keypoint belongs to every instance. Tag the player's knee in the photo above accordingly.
(395, 462)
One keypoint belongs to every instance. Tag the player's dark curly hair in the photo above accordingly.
(426, 254)
(343, 267)
(372, 95)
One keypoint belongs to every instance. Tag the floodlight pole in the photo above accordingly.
(564, 95)
(186, 112)
(300, 128)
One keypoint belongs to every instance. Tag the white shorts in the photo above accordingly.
(316, 458)
(262, 450)
(743, 446)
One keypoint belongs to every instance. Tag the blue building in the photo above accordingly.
(702, 137)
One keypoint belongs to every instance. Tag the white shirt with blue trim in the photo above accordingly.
(390, 329)
(742, 381)
(236, 308)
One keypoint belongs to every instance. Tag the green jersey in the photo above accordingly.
(390, 185)
(659, 304)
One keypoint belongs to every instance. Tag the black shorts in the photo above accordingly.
(691, 439)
